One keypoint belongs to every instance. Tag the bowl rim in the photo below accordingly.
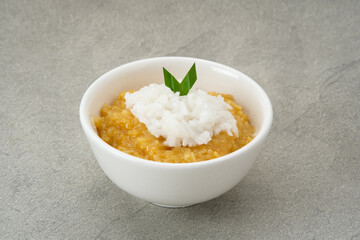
(89, 131)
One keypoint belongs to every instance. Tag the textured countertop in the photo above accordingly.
(305, 54)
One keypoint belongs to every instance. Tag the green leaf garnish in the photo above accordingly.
(170, 81)
(186, 84)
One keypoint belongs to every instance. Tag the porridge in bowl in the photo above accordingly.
(161, 125)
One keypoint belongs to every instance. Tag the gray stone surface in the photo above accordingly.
(305, 54)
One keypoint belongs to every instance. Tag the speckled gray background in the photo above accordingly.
(305, 54)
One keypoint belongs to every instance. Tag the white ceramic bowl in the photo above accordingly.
(176, 184)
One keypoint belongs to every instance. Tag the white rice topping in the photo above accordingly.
(182, 120)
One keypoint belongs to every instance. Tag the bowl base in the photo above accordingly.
(169, 206)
